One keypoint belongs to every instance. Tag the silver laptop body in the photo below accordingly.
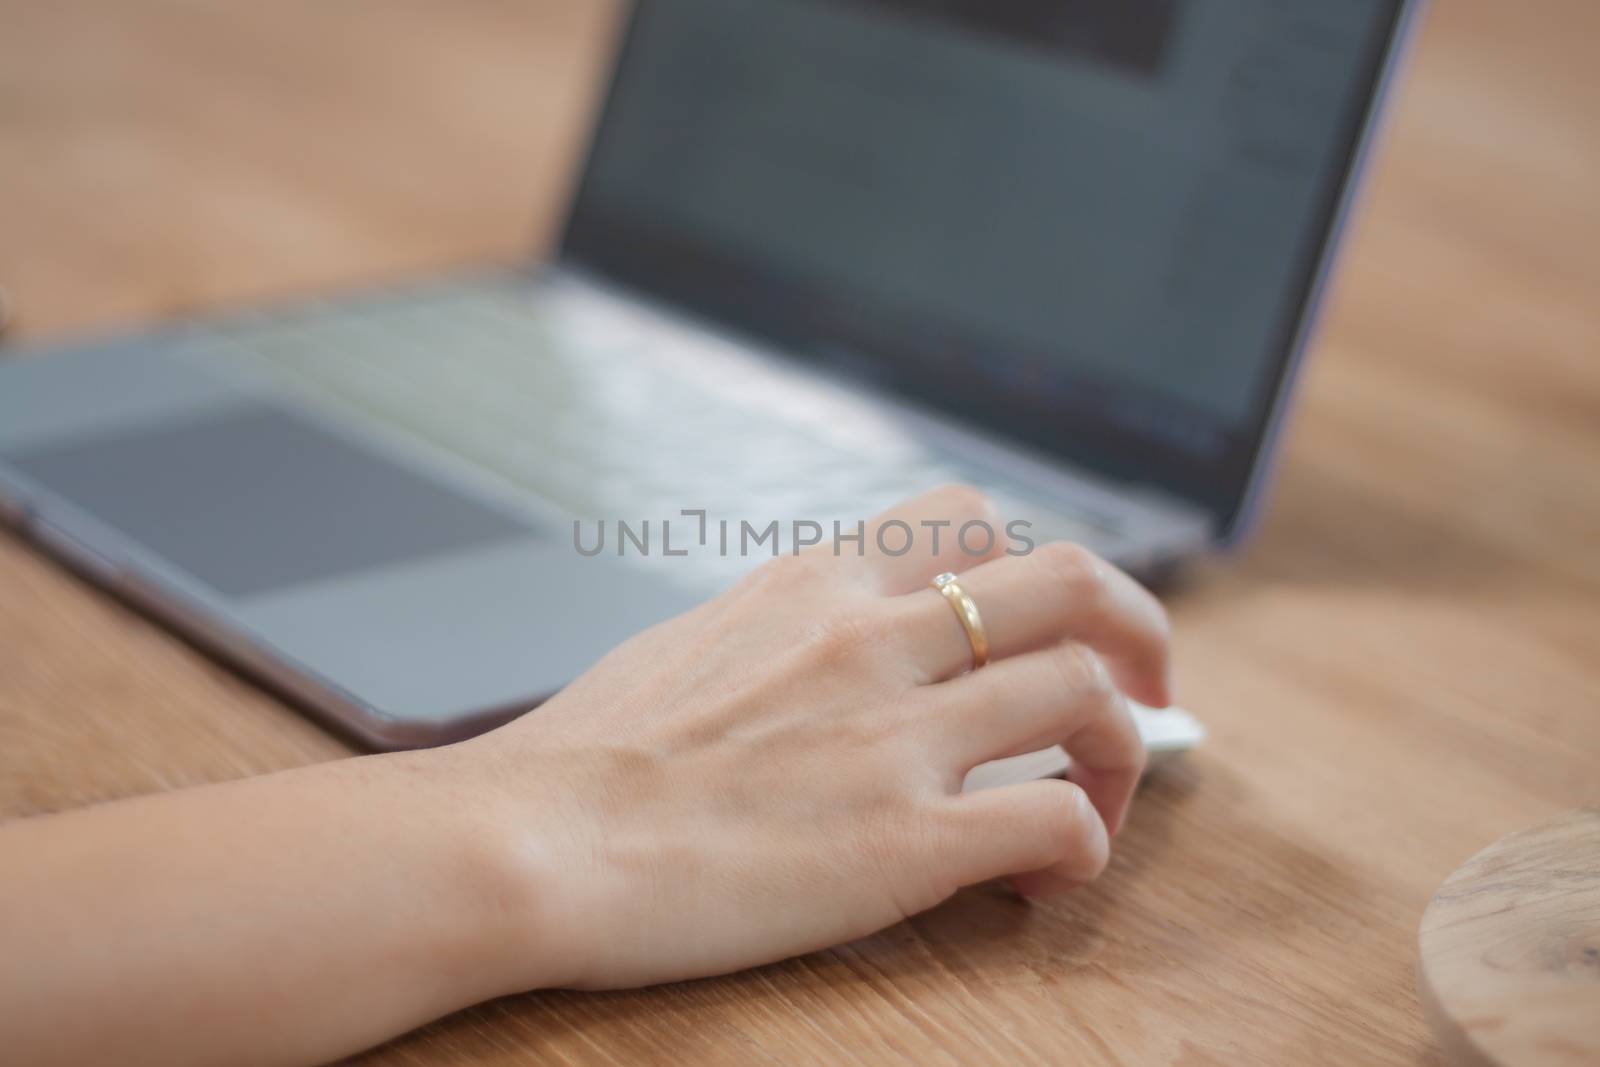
(823, 257)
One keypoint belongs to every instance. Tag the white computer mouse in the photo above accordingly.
(1167, 732)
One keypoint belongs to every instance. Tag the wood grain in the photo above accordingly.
(1403, 667)
(1509, 955)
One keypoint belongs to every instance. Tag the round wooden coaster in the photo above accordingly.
(1509, 971)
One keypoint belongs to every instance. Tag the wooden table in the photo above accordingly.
(1403, 667)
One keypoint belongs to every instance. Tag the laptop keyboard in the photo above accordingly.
(601, 409)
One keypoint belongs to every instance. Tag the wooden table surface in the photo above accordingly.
(1404, 666)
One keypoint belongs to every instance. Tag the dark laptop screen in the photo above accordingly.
(1090, 223)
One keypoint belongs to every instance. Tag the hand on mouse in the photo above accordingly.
(780, 769)
(776, 771)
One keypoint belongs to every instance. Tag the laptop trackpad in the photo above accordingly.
(253, 498)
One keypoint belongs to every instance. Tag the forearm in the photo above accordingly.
(282, 920)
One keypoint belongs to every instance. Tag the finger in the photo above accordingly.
(1060, 592)
(1059, 695)
(952, 528)
(1046, 834)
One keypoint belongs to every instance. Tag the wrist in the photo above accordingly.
(504, 870)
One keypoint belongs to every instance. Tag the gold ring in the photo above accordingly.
(967, 612)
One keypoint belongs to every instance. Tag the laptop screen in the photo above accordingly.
(1092, 225)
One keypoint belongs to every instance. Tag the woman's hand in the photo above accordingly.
(774, 772)
(780, 770)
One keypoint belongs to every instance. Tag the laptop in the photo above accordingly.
(823, 255)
